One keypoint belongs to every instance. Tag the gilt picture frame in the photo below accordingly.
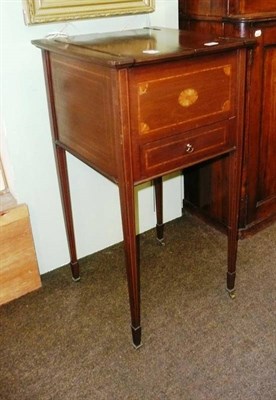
(44, 11)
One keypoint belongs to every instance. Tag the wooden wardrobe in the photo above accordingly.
(203, 193)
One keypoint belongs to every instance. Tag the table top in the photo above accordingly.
(140, 46)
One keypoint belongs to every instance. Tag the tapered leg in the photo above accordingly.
(158, 187)
(232, 257)
(234, 191)
(132, 266)
(62, 171)
(235, 174)
(67, 209)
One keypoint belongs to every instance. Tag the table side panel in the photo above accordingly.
(84, 110)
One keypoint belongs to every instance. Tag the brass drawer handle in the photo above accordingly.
(189, 148)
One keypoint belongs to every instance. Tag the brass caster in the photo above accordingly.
(232, 294)
(137, 347)
(136, 337)
(161, 241)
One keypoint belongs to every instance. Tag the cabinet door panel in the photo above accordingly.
(209, 7)
(215, 8)
(258, 190)
(267, 180)
(257, 6)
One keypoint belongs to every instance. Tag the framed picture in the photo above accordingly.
(42, 11)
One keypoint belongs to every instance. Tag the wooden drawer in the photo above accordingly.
(179, 151)
(177, 96)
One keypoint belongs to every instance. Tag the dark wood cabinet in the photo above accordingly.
(203, 194)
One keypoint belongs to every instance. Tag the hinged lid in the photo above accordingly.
(140, 46)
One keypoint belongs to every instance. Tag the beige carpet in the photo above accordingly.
(73, 341)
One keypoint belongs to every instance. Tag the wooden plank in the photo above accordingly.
(19, 272)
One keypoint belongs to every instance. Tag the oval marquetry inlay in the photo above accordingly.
(187, 97)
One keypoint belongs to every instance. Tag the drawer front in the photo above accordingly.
(179, 151)
(178, 96)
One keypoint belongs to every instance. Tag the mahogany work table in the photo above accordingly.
(139, 104)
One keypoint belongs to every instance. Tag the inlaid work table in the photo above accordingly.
(139, 104)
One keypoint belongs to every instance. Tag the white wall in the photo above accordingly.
(27, 145)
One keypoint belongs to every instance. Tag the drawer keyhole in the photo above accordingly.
(189, 148)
